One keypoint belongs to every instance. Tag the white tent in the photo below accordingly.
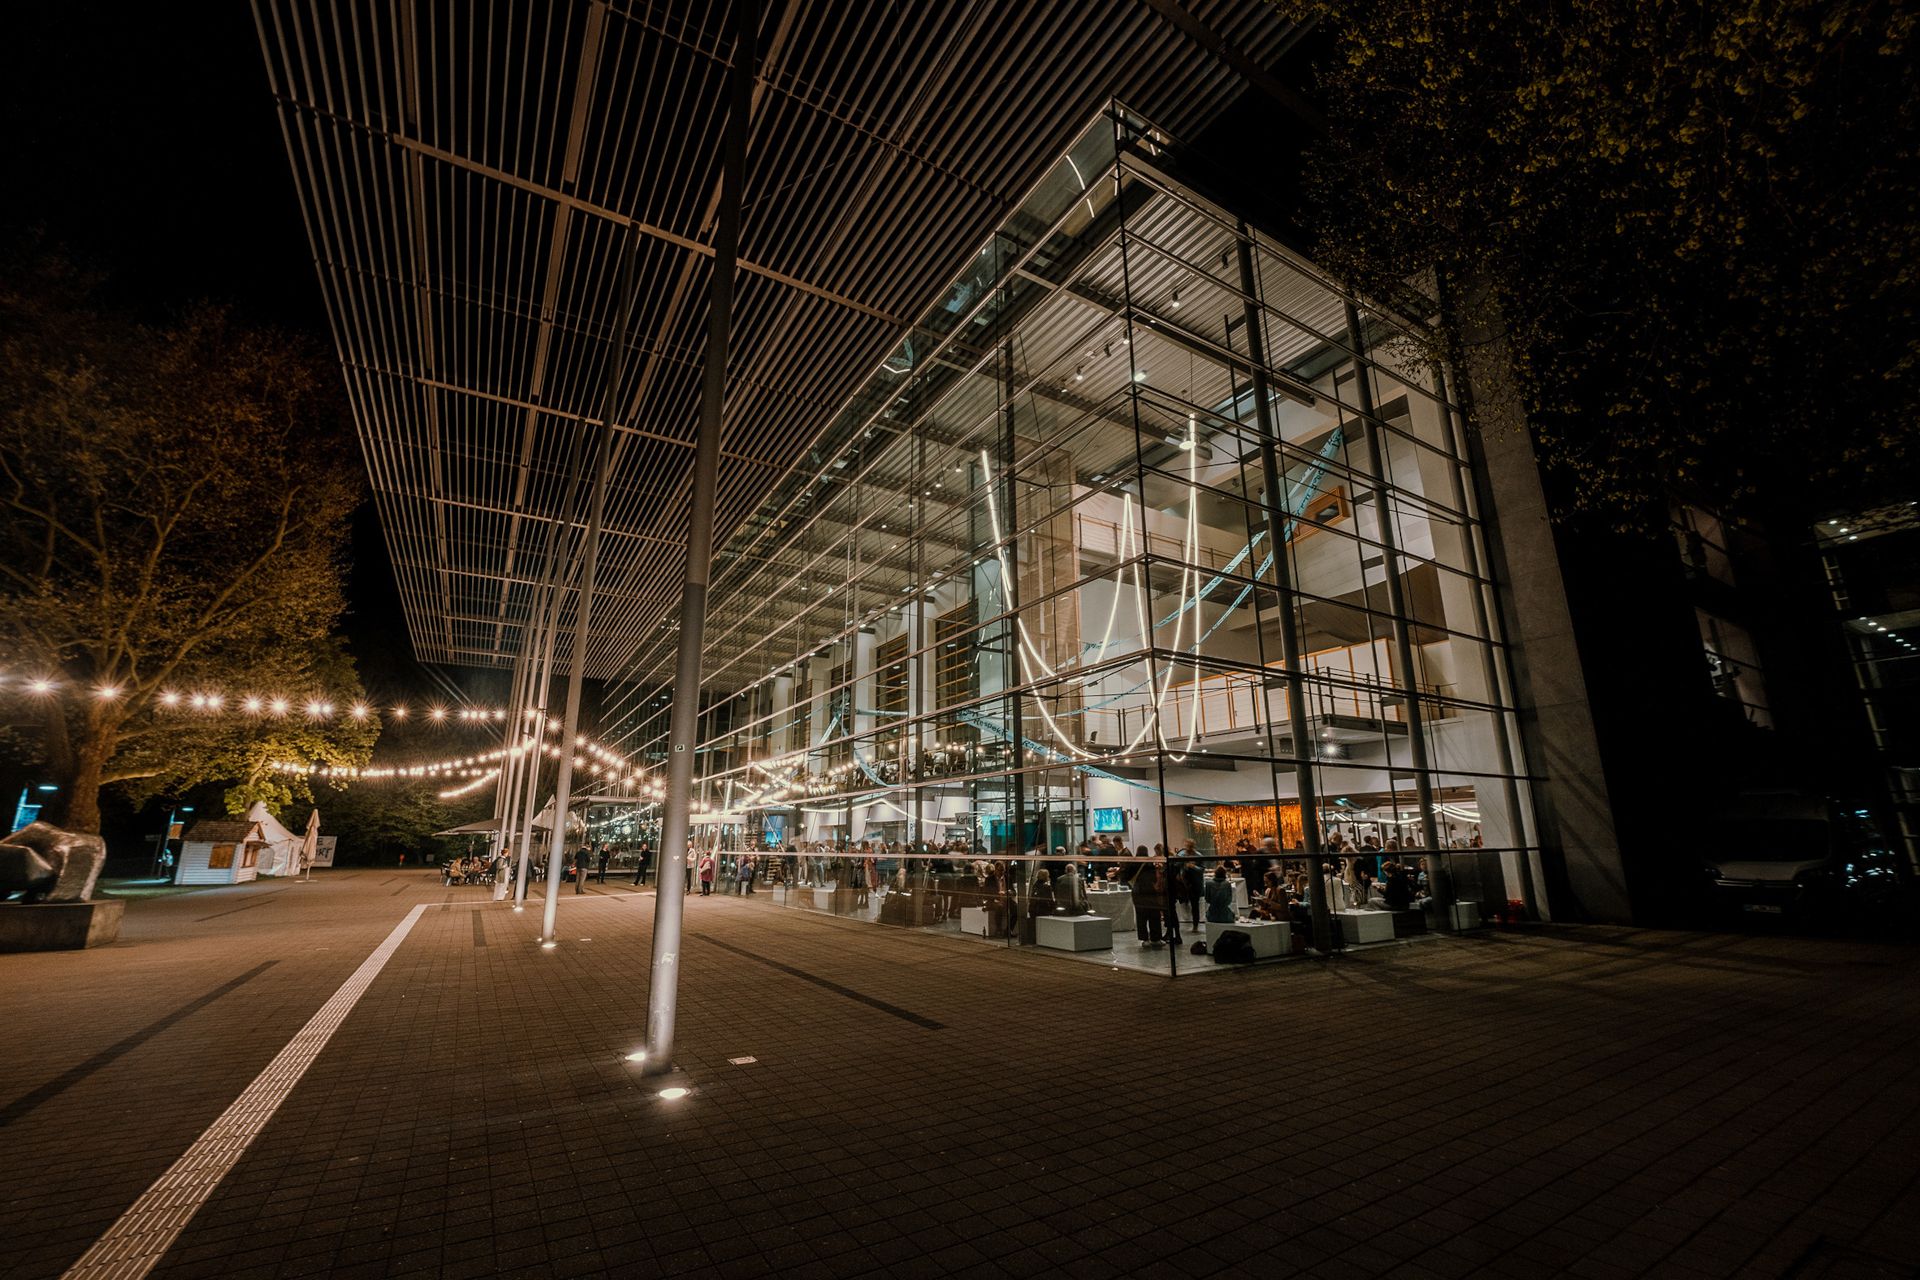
(281, 855)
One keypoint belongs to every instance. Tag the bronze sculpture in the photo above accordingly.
(42, 863)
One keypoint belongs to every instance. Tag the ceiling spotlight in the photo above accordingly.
(1175, 304)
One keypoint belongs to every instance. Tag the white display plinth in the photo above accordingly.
(1270, 937)
(823, 899)
(1466, 915)
(1074, 933)
(1365, 926)
(1115, 904)
(973, 920)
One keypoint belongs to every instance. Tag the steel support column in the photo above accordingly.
(663, 988)
(543, 619)
(1397, 602)
(1275, 480)
(583, 605)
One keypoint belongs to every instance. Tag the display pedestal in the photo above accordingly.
(974, 920)
(1365, 926)
(1270, 937)
(1465, 915)
(60, 926)
(1115, 904)
(823, 899)
(1074, 933)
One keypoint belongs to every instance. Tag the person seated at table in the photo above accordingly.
(1272, 902)
(1220, 898)
(1039, 903)
(1359, 884)
(1396, 889)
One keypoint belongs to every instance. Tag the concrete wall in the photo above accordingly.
(1580, 851)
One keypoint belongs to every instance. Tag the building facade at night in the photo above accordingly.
(1148, 533)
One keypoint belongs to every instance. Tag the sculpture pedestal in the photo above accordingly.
(60, 926)
(1074, 933)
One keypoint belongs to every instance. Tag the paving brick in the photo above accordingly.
(1596, 1102)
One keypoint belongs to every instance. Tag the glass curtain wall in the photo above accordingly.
(1149, 559)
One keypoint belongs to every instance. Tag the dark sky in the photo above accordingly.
(143, 140)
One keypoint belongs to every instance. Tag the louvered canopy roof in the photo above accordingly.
(469, 174)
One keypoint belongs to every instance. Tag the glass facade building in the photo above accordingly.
(1149, 537)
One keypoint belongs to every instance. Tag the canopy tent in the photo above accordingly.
(281, 854)
(544, 820)
(486, 826)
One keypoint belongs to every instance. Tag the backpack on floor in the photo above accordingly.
(1233, 947)
(1199, 948)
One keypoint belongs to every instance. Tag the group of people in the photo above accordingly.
(469, 869)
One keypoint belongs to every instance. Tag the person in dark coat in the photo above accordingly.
(1149, 899)
(1194, 881)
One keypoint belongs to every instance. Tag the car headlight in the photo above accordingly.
(1713, 873)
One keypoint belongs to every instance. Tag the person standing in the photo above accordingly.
(606, 856)
(1149, 898)
(582, 859)
(1166, 879)
(1195, 881)
(1253, 867)
(706, 874)
(640, 864)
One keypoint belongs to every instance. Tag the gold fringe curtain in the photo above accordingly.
(1255, 822)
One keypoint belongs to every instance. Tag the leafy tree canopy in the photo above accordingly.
(1693, 223)
(377, 821)
(176, 501)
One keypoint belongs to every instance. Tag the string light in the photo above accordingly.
(250, 702)
(605, 763)
(468, 788)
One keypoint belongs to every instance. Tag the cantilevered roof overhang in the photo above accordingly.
(469, 173)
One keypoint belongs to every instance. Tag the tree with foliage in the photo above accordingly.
(377, 820)
(1692, 226)
(176, 500)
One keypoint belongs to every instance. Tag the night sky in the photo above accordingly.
(146, 144)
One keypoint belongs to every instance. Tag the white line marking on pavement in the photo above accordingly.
(134, 1244)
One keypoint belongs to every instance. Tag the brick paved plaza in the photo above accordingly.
(1589, 1102)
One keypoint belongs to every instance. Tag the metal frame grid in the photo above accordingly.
(469, 174)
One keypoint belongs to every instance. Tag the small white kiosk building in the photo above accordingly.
(221, 852)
